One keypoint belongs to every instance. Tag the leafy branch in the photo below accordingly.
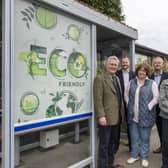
(28, 15)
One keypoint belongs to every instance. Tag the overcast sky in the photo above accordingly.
(150, 18)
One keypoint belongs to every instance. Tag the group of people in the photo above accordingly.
(138, 98)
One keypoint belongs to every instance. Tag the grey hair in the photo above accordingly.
(112, 58)
(154, 58)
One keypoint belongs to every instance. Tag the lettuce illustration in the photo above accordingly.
(29, 103)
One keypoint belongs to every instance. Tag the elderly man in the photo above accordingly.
(109, 109)
(158, 76)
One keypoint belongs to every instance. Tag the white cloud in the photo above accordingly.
(150, 19)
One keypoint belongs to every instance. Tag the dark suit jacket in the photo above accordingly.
(120, 76)
(163, 77)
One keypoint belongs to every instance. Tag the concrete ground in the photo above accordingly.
(155, 160)
(67, 153)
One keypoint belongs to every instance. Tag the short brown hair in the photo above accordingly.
(143, 66)
(124, 56)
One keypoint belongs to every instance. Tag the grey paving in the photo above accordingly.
(154, 159)
(61, 156)
(67, 153)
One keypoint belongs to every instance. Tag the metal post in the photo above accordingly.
(77, 132)
(17, 150)
(132, 54)
(7, 116)
(92, 120)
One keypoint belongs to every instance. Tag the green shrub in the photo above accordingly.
(111, 8)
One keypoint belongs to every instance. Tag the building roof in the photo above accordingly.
(149, 51)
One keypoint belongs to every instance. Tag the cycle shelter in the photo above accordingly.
(49, 61)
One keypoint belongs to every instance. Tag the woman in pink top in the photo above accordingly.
(141, 97)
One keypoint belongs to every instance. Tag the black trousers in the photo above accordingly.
(108, 145)
(165, 143)
(159, 123)
(127, 124)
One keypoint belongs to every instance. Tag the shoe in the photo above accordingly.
(145, 163)
(158, 150)
(118, 166)
(132, 160)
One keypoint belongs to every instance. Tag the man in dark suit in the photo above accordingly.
(109, 110)
(158, 76)
(125, 75)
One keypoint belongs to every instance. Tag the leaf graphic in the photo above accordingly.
(51, 94)
(27, 24)
(31, 14)
(50, 111)
(24, 13)
(25, 19)
(55, 99)
(59, 111)
(31, 8)
(27, 15)
(78, 105)
(23, 56)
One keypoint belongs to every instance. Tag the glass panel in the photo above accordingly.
(52, 65)
(0, 76)
(64, 154)
(52, 86)
(142, 59)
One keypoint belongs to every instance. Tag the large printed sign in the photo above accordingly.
(52, 64)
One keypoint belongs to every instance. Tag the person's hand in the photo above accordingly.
(102, 121)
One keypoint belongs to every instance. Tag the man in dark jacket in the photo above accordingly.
(125, 75)
(158, 76)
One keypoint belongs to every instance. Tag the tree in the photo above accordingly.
(111, 8)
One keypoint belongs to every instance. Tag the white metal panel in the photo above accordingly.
(7, 64)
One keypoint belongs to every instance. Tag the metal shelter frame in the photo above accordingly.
(10, 141)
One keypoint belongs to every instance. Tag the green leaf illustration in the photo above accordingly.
(31, 9)
(27, 24)
(24, 19)
(51, 94)
(59, 111)
(30, 12)
(26, 14)
(46, 18)
(50, 111)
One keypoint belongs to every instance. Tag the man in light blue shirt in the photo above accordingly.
(159, 75)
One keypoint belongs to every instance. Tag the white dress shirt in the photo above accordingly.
(125, 78)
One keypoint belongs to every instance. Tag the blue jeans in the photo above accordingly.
(140, 140)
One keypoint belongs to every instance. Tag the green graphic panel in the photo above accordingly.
(62, 102)
(33, 60)
(53, 63)
(73, 32)
(77, 64)
(29, 103)
(45, 18)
